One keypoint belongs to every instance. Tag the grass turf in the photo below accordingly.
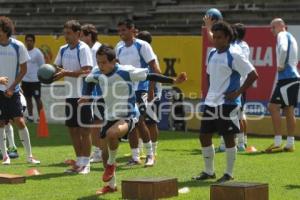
(178, 156)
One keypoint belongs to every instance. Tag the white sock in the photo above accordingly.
(154, 147)
(135, 154)
(230, 159)
(290, 141)
(141, 146)
(10, 135)
(208, 156)
(3, 143)
(112, 154)
(245, 139)
(113, 182)
(222, 143)
(24, 136)
(241, 139)
(277, 140)
(85, 161)
(148, 147)
(79, 161)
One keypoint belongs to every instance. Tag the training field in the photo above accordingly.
(178, 156)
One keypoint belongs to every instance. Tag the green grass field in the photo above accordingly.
(178, 156)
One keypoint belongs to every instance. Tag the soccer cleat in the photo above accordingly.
(273, 149)
(241, 148)
(106, 190)
(74, 169)
(133, 162)
(6, 161)
(31, 160)
(109, 172)
(289, 148)
(224, 178)
(12, 153)
(84, 170)
(149, 162)
(204, 176)
(29, 119)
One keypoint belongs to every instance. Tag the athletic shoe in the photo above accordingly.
(289, 149)
(224, 178)
(273, 149)
(204, 176)
(29, 119)
(96, 158)
(133, 162)
(12, 153)
(241, 148)
(106, 190)
(149, 162)
(109, 172)
(84, 170)
(220, 149)
(6, 161)
(74, 169)
(33, 161)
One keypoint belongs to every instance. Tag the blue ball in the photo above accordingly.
(46, 73)
(214, 13)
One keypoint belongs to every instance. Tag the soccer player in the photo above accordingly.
(138, 53)
(89, 36)
(285, 95)
(226, 65)
(75, 58)
(31, 85)
(14, 57)
(121, 113)
(152, 111)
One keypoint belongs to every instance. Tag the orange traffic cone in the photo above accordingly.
(42, 129)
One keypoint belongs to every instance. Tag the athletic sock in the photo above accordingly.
(135, 154)
(154, 147)
(148, 147)
(3, 143)
(112, 154)
(241, 139)
(230, 159)
(245, 139)
(208, 156)
(290, 141)
(24, 136)
(277, 140)
(10, 135)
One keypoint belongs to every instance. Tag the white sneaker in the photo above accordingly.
(6, 161)
(149, 162)
(31, 160)
(85, 170)
(96, 158)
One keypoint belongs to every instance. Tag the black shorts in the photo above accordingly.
(152, 114)
(31, 89)
(286, 92)
(131, 125)
(10, 108)
(78, 115)
(141, 99)
(223, 119)
(98, 109)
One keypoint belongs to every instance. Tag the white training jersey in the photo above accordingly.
(246, 51)
(117, 89)
(74, 59)
(36, 60)
(287, 55)
(139, 54)
(225, 70)
(94, 50)
(11, 56)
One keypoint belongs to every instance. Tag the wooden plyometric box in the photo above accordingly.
(149, 188)
(239, 191)
(11, 179)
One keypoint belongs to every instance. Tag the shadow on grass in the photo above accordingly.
(292, 187)
(93, 197)
(194, 183)
(187, 151)
(49, 176)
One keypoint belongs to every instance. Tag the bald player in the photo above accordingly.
(285, 94)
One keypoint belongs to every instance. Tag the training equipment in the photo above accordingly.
(45, 73)
(42, 128)
(11, 179)
(149, 188)
(214, 13)
(239, 191)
